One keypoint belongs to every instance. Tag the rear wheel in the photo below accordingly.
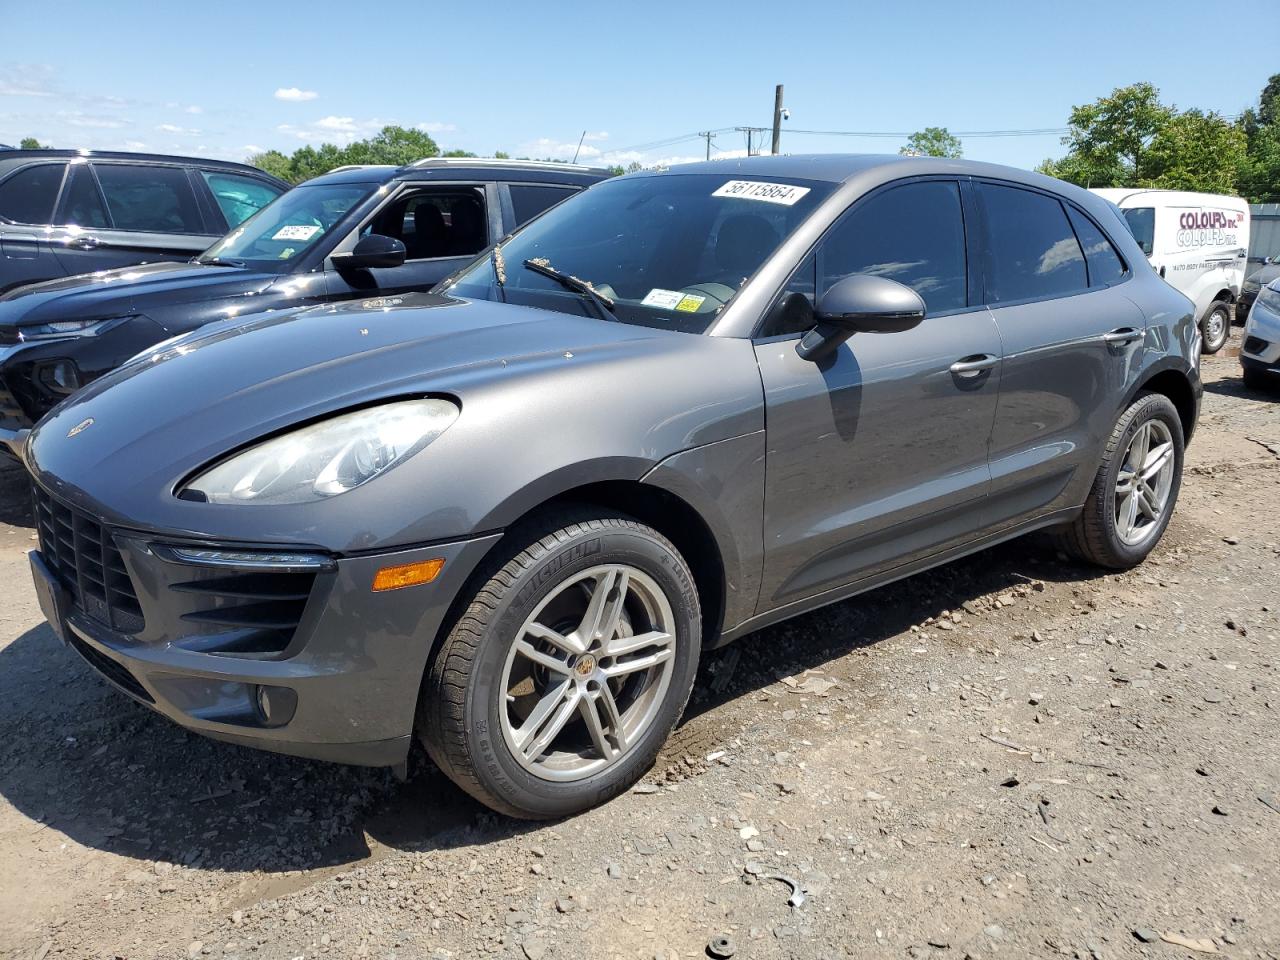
(559, 683)
(1135, 488)
(1215, 328)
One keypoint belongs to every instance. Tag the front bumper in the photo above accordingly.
(309, 662)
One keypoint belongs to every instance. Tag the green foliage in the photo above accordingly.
(1194, 151)
(1131, 139)
(31, 143)
(933, 142)
(391, 145)
(1108, 139)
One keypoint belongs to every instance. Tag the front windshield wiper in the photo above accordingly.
(602, 303)
(219, 261)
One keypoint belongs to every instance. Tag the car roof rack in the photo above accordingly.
(495, 162)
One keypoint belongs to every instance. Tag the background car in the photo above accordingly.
(1260, 352)
(510, 515)
(1198, 242)
(1255, 282)
(64, 212)
(356, 232)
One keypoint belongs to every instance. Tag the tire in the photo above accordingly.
(1097, 536)
(481, 681)
(1215, 328)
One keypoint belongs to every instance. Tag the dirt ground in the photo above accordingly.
(1010, 756)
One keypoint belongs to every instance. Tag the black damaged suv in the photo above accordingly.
(357, 232)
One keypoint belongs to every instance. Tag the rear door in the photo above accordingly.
(1072, 343)
(877, 455)
(443, 227)
(120, 214)
(28, 197)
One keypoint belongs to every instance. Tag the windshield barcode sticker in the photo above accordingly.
(781, 193)
(662, 299)
(296, 232)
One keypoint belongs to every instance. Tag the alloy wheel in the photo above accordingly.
(1143, 485)
(587, 673)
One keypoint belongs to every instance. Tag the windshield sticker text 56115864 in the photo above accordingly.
(781, 193)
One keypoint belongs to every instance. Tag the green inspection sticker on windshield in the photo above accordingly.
(784, 194)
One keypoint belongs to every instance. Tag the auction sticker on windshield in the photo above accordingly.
(781, 193)
(296, 232)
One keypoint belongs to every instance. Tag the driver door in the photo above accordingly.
(877, 454)
(443, 228)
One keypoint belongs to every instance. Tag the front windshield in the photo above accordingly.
(667, 251)
(290, 225)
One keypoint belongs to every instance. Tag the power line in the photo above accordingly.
(1029, 132)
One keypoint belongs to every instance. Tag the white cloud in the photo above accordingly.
(556, 149)
(27, 80)
(436, 127)
(194, 109)
(341, 124)
(78, 119)
(294, 94)
(601, 135)
(174, 128)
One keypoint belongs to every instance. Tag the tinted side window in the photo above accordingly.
(81, 201)
(239, 198)
(528, 200)
(913, 234)
(29, 195)
(1032, 250)
(1105, 265)
(151, 199)
(436, 222)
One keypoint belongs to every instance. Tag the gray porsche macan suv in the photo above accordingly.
(509, 515)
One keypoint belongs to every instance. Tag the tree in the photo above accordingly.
(933, 142)
(1258, 175)
(1108, 138)
(1194, 150)
(392, 145)
(31, 143)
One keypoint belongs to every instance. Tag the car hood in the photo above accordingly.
(124, 445)
(1264, 276)
(125, 291)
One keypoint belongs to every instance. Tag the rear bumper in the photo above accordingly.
(343, 684)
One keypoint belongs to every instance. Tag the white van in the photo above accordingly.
(1198, 242)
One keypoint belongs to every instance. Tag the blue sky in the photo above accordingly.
(227, 79)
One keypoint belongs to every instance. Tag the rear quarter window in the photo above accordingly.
(29, 195)
(1101, 257)
(528, 199)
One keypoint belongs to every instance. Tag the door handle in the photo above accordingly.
(84, 243)
(973, 366)
(1123, 335)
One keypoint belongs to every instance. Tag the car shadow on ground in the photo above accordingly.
(15, 494)
(82, 759)
(1234, 387)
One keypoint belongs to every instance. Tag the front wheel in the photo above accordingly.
(1215, 328)
(559, 683)
(1135, 488)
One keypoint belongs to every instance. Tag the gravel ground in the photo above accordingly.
(1010, 756)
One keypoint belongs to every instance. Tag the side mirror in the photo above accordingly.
(860, 304)
(371, 251)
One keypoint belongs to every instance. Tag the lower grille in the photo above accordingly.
(113, 671)
(244, 612)
(1255, 345)
(80, 552)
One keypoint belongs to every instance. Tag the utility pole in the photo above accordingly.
(777, 119)
(708, 135)
(750, 132)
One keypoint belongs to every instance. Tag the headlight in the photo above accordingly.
(326, 458)
(1270, 299)
(60, 328)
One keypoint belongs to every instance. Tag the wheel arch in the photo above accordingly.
(1176, 385)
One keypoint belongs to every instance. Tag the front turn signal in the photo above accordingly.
(407, 574)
